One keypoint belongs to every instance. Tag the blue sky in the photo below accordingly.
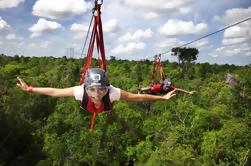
(133, 29)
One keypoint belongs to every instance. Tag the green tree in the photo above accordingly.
(186, 58)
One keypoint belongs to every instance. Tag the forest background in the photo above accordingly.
(209, 128)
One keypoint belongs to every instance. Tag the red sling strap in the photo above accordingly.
(157, 66)
(97, 34)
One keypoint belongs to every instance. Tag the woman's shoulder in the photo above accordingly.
(114, 93)
(112, 88)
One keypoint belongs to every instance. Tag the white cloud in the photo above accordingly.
(111, 26)
(9, 3)
(139, 34)
(3, 25)
(248, 53)
(40, 45)
(231, 41)
(80, 30)
(199, 43)
(179, 27)
(151, 15)
(157, 4)
(228, 52)
(128, 49)
(11, 37)
(43, 26)
(232, 16)
(167, 43)
(233, 50)
(58, 9)
(238, 31)
(185, 10)
(79, 27)
(217, 18)
(235, 14)
(236, 39)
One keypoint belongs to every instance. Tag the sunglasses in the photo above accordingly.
(96, 90)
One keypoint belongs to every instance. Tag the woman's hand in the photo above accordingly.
(192, 92)
(65, 92)
(22, 85)
(169, 94)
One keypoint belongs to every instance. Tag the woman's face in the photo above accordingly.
(96, 93)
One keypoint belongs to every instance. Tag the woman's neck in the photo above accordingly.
(97, 105)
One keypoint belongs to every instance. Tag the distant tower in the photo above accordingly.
(69, 52)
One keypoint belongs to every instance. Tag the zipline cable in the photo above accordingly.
(93, 12)
(82, 53)
(163, 53)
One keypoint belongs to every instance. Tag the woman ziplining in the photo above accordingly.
(95, 92)
(164, 85)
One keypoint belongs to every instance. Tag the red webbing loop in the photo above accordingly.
(89, 54)
(97, 34)
(157, 66)
(98, 48)
(101, 42)
(154, 73)
(93, 120)
(162, 74)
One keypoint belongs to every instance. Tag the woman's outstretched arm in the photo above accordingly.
(185, 91)
(56, 92)
(127, 96)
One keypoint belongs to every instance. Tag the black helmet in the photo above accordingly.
(96, 76)
(167, 83)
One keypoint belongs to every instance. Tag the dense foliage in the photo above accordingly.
(209, 128)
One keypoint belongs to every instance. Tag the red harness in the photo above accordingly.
(157, 66)
(158, 89)
(96, 36)
(91, 107)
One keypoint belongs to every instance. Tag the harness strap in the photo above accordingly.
(101, 41)
(107, 102)
(157, 66)
(85, 99)
(162, 74)
(154, 73)
(97, 34)
(93, 120)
